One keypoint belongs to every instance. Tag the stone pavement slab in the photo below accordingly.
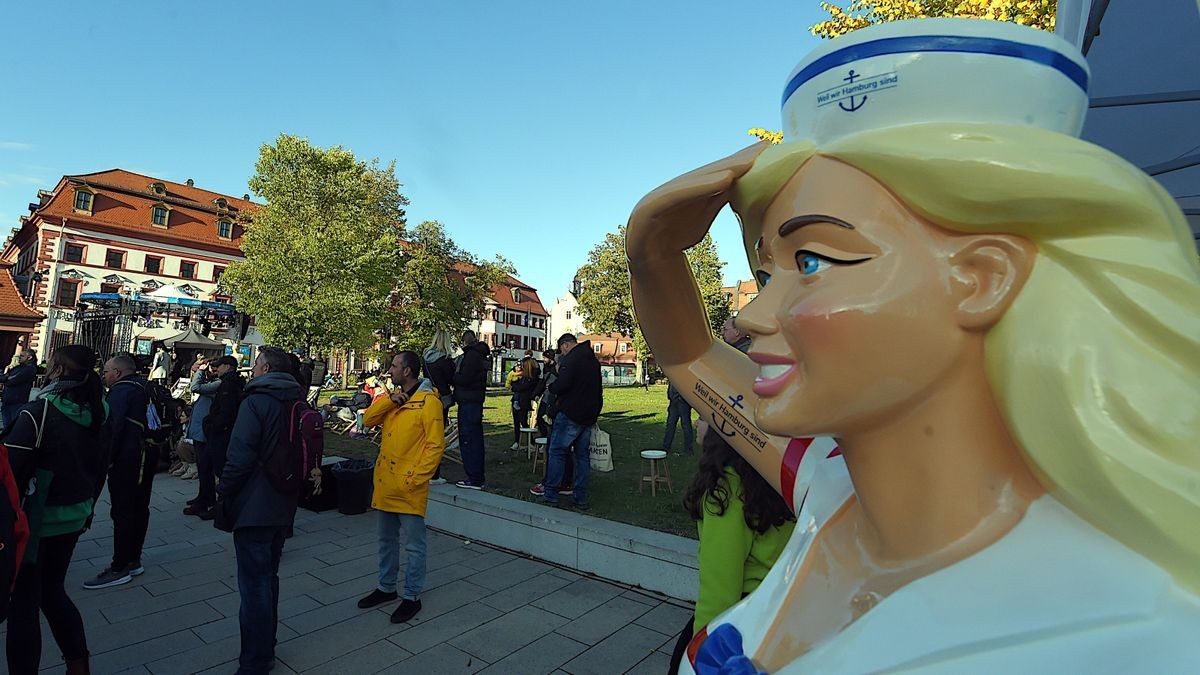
(484, 609)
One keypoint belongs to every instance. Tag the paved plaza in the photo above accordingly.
(485, 610)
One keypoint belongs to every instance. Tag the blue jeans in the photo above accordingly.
(679, 411)
(390, 525)
(564, 434)
(470, 440)
(258, 551)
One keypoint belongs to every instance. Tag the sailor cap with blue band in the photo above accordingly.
(936, 70)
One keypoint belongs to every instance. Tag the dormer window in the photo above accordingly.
(159, 215)
(221, 203)
(85, 198)
(158, 188)
(516, 295)
(225, 229)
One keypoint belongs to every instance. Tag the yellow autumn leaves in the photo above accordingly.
(860, 13)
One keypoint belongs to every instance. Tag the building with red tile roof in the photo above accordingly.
(740, 294)
(117, 231)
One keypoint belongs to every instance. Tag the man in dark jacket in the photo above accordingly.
(579, 399)
(678, 412)
(259, 515)
(218, 424)
(131, 471)
(17, 383)
(470, 387)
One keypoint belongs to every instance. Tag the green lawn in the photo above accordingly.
(633, 417)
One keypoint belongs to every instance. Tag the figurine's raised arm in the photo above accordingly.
(713, 376)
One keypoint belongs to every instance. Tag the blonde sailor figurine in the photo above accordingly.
(996, 321)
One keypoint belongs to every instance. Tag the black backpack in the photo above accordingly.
(162, 412)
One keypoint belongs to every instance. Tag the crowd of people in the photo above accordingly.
(95, 425)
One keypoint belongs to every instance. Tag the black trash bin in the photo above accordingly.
(355, 485)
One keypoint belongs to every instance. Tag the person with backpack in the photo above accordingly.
(131, 470)
(60, 440)
(470, 389)
(217, 425)
(256, 503)
(412, 446)
(439, 367)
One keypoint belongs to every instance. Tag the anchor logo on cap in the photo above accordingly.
(853, 106)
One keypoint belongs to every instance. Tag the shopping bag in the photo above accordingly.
(600, 450)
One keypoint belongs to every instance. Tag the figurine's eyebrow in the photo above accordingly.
(800, 221)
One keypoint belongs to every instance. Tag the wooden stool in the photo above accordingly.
(526, 442)
(540, 452)
(657, 462)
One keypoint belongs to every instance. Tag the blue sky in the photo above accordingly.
(529, 128)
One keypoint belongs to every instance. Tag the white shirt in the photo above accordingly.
(1052, 595)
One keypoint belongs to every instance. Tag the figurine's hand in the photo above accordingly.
(677, 215)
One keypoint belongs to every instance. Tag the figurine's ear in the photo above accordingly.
(990, 271)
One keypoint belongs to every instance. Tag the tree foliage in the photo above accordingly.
(320, 255)
(605, 299)
(440, 286)
(857, 14)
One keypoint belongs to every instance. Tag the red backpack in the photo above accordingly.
(299, 449)
(14, 532)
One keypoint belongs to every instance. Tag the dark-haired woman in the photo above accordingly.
(66, 469)
(744, 526)
(522, 397)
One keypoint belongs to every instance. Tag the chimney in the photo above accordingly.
(191, 183)
(246, 197)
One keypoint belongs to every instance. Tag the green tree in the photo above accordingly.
(860, 13)
(440, 286)
(321, 253)
(606, 303)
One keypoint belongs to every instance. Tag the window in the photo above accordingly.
(221, 203)
(624, 347)
(74, 253)
(114, 259)
(596, 347)
(83, 200)
(160, 215)
(68, 291)
(110, 288)
(187, 270)
(158, 188)
(568, 315)
(217, 272)
(153, 265)
(224, 229)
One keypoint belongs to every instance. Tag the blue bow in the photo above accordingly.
(721, 654)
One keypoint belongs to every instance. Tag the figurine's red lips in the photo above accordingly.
(774, 373)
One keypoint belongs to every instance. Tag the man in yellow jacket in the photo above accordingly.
(409, 454)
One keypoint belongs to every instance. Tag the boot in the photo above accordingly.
(79, 666)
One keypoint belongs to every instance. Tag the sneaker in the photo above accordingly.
(135, 568)
(376, 598)
(109, 577)
(514, 446)
(437, 481)
(555, 503)
(581, 507)
(537, 490)
(407, 610)
(566, 492)
(191, 473)
(469, 485)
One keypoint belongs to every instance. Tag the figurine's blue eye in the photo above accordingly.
(763, 278)
(811, 264)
